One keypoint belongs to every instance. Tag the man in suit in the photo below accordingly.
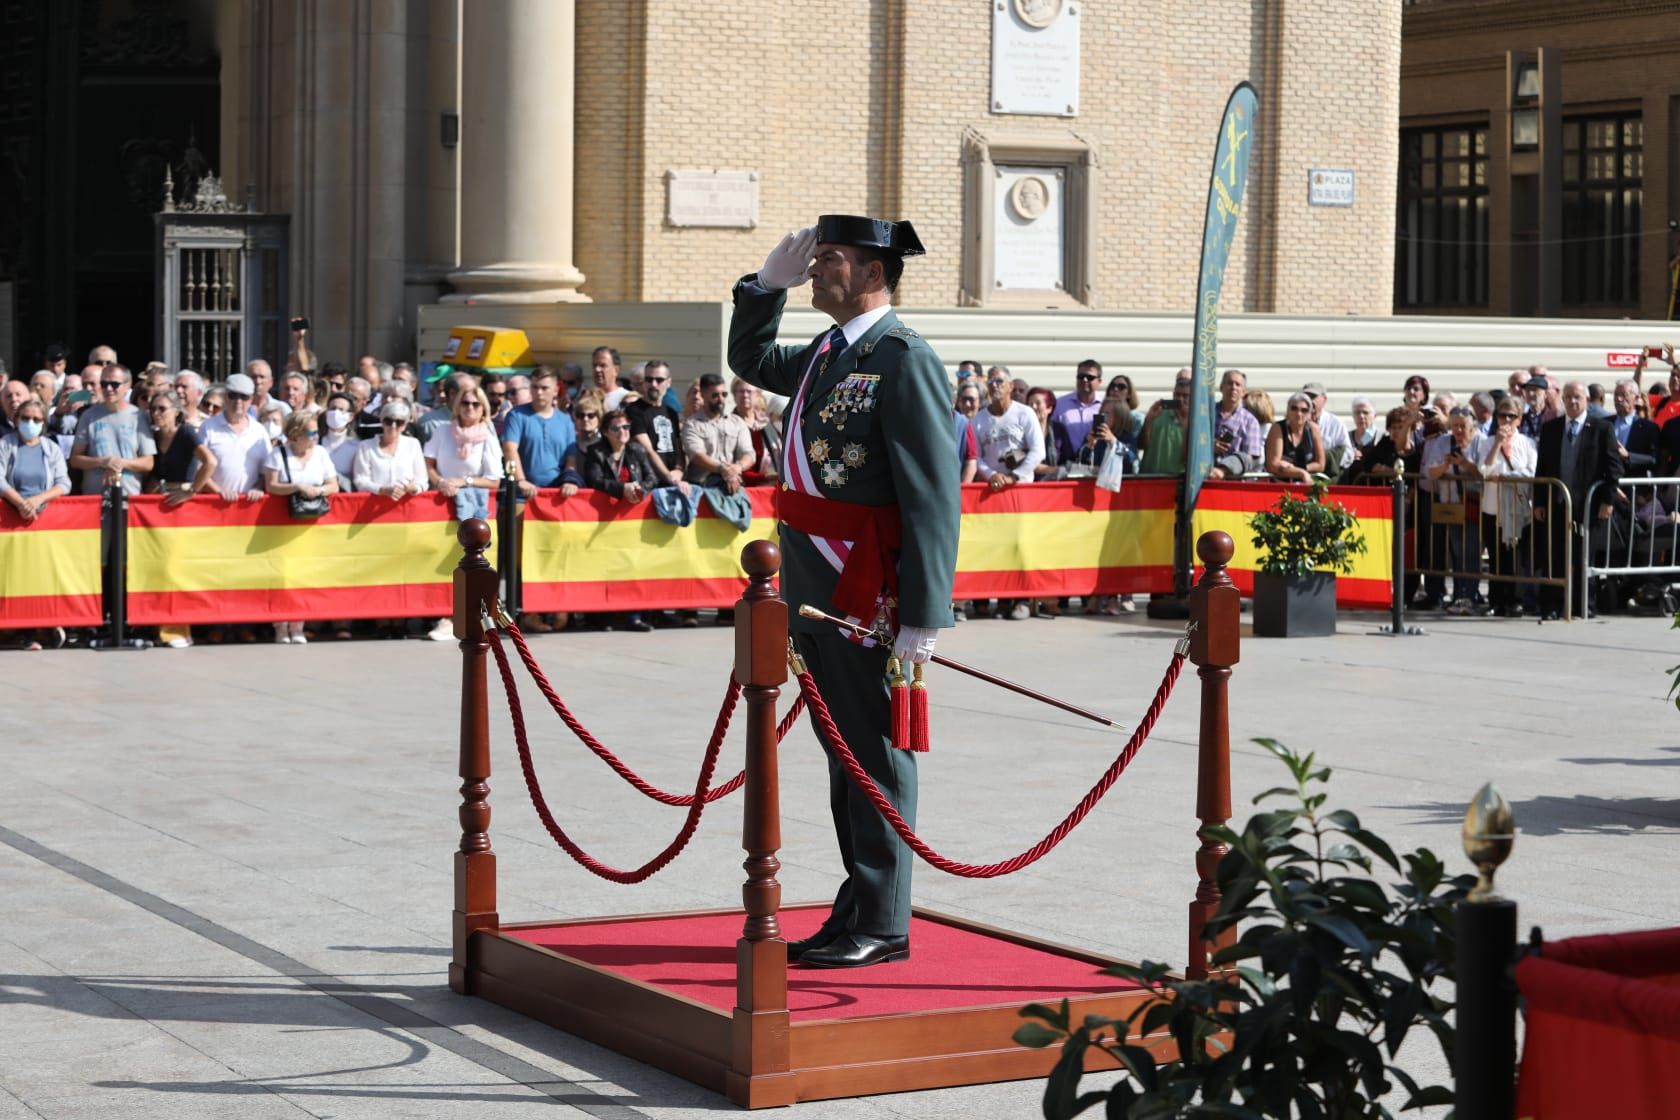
(869, 511)
(1578, 451)
(1637, 438)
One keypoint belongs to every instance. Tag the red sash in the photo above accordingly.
(871, 569)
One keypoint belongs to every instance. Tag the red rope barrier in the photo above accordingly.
(830, 733)
(696, 803)
(640, 784)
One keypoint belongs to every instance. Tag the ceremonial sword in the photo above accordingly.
(808, 611)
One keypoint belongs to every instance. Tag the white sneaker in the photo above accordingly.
(299, 640)
(1127, 605)
(1019, 612)
(178, 643)
(284, 640)
(444, 631)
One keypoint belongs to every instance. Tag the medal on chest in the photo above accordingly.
(853, 396)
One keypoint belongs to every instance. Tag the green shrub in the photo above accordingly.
(1300, 534)
(1330, 972)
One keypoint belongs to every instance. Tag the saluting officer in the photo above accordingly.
(869, 511)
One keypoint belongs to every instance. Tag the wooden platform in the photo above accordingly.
(840, 1042)
(712, 999)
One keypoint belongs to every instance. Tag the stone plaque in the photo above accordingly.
(1029, 250)
(722, 199)
(1035, 57)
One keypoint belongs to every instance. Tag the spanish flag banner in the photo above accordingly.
(50, 567)
(209, 560)
(1229, 505)
(592, 552)
(1065, 538)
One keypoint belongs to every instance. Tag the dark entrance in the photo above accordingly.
(99, 98)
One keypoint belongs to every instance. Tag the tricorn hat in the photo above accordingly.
(869, 233)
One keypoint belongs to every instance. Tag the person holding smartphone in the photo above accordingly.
(1163, 443)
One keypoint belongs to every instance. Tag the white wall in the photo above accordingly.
(1352, 355)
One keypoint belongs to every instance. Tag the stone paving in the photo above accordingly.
(228, 868)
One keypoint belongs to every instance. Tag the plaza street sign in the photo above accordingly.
(1330, 186)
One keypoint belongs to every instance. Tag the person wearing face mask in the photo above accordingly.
(338, 438)
(32, 470)
(32, 473)
(273, 422)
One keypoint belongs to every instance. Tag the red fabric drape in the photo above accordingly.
(1602, 1028)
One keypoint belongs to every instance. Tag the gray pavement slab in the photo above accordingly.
(228, 868)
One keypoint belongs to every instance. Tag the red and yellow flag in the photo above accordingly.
(1229, 505)
(591, 552)
(50, 567)
(209, 560)
(1065, 538)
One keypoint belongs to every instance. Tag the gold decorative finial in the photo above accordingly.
(1489, 831)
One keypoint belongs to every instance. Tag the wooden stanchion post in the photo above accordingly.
(475, 863)
(759, 1075)
(1216, 624)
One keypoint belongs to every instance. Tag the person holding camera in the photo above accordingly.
(1162, 442)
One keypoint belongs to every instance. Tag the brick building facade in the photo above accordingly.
(879, 125)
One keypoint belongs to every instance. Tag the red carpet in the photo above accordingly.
(694, 956)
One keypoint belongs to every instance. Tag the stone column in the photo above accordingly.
(516, 153)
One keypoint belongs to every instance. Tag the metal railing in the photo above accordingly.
(1463, 539)
(1640, 537)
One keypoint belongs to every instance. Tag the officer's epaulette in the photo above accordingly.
(901, 332)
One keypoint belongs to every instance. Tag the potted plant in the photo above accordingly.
(1305, 1014)
(1306, 541)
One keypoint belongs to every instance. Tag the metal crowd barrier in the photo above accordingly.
(1641, 538)
(1460, 539)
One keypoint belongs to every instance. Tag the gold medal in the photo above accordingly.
(818, 450)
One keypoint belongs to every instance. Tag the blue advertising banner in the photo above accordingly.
(1224, 205)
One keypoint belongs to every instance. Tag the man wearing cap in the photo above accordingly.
(238, 442)
(869, 511)
(1338, 447)
(1535, 392)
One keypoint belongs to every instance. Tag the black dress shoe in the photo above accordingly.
(854, 950)
(797, 949)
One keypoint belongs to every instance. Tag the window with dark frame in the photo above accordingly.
(1441, 255)
(1603, 197)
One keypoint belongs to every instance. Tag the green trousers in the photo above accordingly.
(875, 898)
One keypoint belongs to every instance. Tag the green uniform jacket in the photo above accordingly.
(889, 442)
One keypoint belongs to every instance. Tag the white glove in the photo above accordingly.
(914, 644)
(789, 263)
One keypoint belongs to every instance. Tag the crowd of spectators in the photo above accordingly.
(629, 434)
(1471, 523)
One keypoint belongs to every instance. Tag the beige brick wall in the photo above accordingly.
(667, 84)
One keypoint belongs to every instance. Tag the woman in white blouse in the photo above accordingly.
(300, 465)
(464, 462)
(390, 464)
(1507, 453)
(464, 456)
